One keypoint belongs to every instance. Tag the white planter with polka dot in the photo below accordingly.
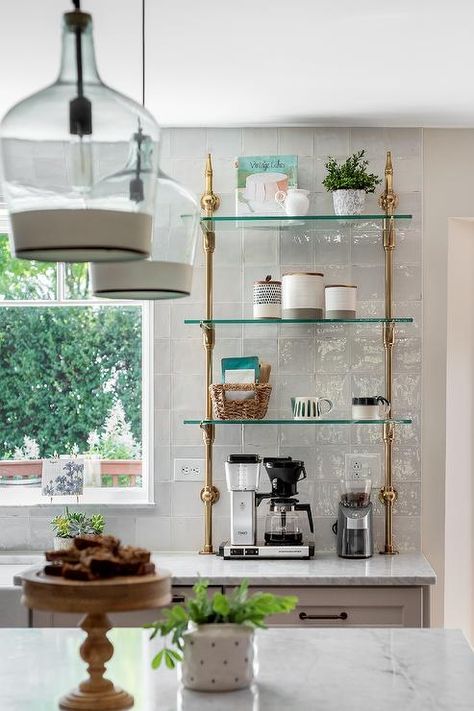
(218, 657)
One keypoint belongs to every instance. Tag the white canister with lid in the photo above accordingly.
(267, 298)
(340, 300)
(302, 295)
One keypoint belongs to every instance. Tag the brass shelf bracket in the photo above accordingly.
(388, 495)
(209, 494)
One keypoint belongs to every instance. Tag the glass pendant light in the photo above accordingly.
(58, 148)
(168, 272)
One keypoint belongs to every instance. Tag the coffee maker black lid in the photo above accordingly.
(276, 461)
(243, 458)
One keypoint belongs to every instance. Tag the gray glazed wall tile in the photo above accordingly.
(260, 141)
(335, 362)
(224, 142)
(262, 248)
(332, 142)
(298, 142)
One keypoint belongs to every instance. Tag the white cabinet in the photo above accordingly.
(351, 607)
(12, 612)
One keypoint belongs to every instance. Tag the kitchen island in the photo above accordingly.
(334, 670)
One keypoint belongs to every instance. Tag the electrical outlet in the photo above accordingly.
(188, 469)
(363, 466)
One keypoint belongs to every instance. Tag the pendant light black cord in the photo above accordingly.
(143, 52)
(137, 190)
(80, 108)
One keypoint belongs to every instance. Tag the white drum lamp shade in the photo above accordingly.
(168, 273)
(64, 150)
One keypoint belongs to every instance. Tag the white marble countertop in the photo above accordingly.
(324, 569)
(324, 669)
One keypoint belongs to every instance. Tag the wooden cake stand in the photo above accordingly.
(96, 599)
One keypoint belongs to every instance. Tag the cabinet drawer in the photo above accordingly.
(137, 618)
(351, 607)
(12, 612)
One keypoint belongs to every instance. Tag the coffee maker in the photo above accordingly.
(354, 526)
(285, 528)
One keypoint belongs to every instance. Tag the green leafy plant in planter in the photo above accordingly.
(76, 523)
(349, 183)
(238, 608)
(350, 175)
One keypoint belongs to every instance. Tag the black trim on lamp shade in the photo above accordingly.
(96, 254)
(142, 294)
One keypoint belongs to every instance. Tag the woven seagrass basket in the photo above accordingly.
(254, 408)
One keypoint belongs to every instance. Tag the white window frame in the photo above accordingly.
(115, 496)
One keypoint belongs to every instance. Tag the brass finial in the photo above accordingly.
(388, 201)
(209, 200)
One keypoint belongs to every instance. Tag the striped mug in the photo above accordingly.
(310, 408)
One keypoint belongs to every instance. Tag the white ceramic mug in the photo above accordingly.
(370, 408)
(294, 201)
(310, 408)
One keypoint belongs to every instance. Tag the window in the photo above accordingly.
(74, 374)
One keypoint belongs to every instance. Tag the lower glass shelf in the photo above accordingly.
(285, 321)
(396, 421)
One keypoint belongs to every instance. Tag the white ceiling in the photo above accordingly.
(260, 62)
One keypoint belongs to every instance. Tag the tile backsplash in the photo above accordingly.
(336, 362)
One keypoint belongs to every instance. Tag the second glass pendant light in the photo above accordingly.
(168, 272)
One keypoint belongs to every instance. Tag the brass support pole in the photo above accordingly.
(388, 495)
(209, 493)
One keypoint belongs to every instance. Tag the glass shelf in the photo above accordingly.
(396, 421)
(279, 321)
(271, 222)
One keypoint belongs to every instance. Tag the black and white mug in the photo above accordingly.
(370, 408)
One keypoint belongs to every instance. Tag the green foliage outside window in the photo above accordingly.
(62, 369)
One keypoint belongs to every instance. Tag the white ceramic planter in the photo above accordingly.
(60, 544)
(348, 202)
(218, 657)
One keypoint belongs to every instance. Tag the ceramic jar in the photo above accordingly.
(348, 202)
(267, 298)
(218, 657)
(294, 201)
(302, 295)
(340, 300)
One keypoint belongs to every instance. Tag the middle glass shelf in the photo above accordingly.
(292, 421)
(281, 321)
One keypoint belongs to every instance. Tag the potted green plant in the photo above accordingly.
(75, 523)
(213, 637)
(349, 182)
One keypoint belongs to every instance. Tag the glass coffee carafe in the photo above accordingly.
(285, 523)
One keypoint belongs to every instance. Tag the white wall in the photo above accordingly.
(448, 187)
(459, 546)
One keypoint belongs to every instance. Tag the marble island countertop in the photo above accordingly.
(324, 569)
(334, 670)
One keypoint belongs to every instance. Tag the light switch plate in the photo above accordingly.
(188, 469)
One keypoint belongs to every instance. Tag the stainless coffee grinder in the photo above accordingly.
(354, 526)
